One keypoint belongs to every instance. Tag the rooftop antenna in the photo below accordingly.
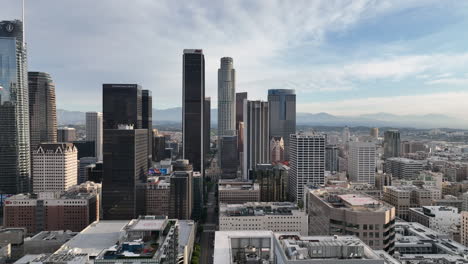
(24, 27)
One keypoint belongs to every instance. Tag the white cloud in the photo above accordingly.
(449, 81)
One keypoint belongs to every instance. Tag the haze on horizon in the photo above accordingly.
(342, 57)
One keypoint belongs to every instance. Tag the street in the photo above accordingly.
(209, 228)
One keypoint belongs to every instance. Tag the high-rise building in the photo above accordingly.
(331, 158)
(256, 141)
(273, 182)
(94, 131)
(66, 134)
(85, 148)
(181, 197)
(85, 162)
(362, 162)
(193, 108)
(226, 98)
(345, 135)
(125, 157)
(125, 169)
(235, 191)
(42, 111)
(197, 198)
(55, 167)
(229, 162)
(282, 115)
(277, 149)
(240, 97)
(403, 168)
(147, 120)
(159, 146)
(374, 132)
(307, 163)
(392, 144)
(206, 131)
(15, 155)
(157, 196)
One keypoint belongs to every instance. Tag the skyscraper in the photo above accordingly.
(159, 146)
(42, 111)
(193, 108)
(147, 120)
(307, 163)
(331, 158)
(181, 197)
(206, 131)
(94, 131)
(124, 151)
(282, 104)
(374, 132)
(362, 162)
(226, 98)
(66, 134)
(392, 144)
(240, 97)
(345, 135)
(256, 141)
(15, 156)
(229, 156)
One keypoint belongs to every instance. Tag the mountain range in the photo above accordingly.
(173, 115)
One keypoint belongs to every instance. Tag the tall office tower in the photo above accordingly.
(276, 150)
(193, 108)
(94, 131)
(85, 162)
(197, 196)
(181, 197)
(226, 98)
(392, 144)
(307, 163)
(229, 157)
(374, 132)
(147, 120)
(206, 130)
(15, 155)
(125, 149)
(125, 168)
(159, 146)
(273, 182)
(256, 141)
(345, 135)
(42, 111)
(331, 158)
(66, 134)
(282, 103)
(55, 168)
(362, 162)
(240, 97)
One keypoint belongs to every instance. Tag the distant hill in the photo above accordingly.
(174, 115)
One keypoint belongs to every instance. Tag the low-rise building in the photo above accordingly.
(437, 218)
(268, 247)
(409, 196)
(47, 241)
(275, 216)
(237, 192)
(403, 168)
(340, 211)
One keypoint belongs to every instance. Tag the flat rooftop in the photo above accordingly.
(358, 200)
(147, 224)
(237, 185)
(96, 237)
(258, 209)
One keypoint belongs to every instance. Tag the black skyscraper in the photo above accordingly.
(147, 120)
(125, 151)
(193, 113)
(122, 104)
(42, 112)
(207, 129)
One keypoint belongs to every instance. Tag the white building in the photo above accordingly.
(361, 162)
(274, 216)
(437, 218)
(307, 162)
(94, 131)
(55, 167)
(237, 192)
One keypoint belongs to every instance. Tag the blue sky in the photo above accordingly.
(342, 57)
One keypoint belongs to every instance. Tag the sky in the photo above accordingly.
(343, 57)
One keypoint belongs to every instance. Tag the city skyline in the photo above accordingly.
(337, 62)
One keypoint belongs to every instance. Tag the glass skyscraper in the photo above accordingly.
(193, 113)
(282, 115)
(15, 161)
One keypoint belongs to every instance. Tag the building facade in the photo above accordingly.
(403, 168)
(42, 109)
(362, 162)
(15, 155)
(226, 98)
(272, 181)
(256, 136)
(331, 158)
(438, 218)
(66, 134)
(193, 108)
(94, 131)
(55, 167)
(392, 144)
(276, 150)
(181, 193)
(282, 115)
(237, 192)
(307, 163)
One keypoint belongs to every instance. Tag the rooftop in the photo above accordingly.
(237, 185)
(258, 209)
(53, 236)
